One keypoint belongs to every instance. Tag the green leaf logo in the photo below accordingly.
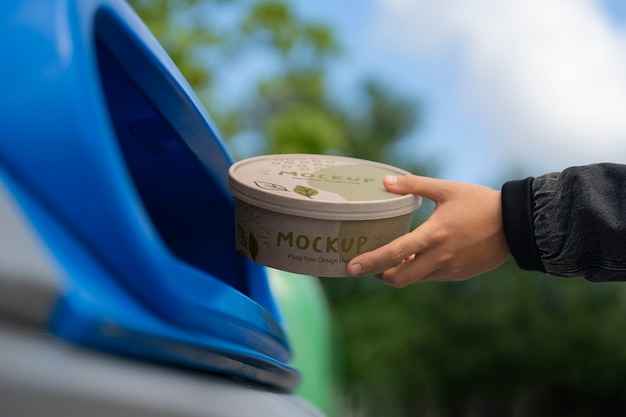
(305, 191)
(253, 245)
(241, 235)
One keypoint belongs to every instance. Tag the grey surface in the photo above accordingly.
(43, 376)
(28, 286)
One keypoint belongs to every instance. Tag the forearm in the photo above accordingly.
(571, 223)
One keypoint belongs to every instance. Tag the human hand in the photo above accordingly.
(462, 238)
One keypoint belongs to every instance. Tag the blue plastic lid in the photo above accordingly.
(115, 160)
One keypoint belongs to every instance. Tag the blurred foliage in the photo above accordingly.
(510, 343)
(288, 107)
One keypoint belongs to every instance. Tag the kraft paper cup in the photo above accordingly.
(311, 214)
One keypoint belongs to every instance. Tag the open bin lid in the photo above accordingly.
(120, 168)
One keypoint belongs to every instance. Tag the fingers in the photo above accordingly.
(430, 188)
(409, 244)
(462, 238)
(408, 272)
(419, 269)
(403, 275)
(406, 246)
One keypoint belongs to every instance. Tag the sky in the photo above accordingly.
(508, 88)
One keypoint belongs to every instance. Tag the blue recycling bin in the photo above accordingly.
(111, 156)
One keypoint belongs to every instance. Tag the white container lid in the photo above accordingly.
(319, 186)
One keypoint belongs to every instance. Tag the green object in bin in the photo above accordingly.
(306, 314)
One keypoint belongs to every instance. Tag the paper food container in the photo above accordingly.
(311, 214)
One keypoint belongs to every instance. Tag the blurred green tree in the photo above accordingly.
(509, 343)
(287, 105)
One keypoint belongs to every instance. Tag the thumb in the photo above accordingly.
(430, 188)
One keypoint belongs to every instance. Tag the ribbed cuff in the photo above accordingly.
(517, 216)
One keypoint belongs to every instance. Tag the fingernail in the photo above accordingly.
(391, 179)
(355, 269)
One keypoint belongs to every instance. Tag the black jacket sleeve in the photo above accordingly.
(571, 223)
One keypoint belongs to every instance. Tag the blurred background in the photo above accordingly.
(480, 91)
